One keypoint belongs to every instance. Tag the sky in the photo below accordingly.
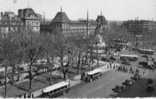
(77, 9)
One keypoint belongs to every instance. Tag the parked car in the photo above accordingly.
(105, 59)
(143, 63)
(127, 82)
(118, 89)
(125, 62)
(145, 56)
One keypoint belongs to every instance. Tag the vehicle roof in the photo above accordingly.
(94, 71)
(55, 86)
(131, 55)
(147, 50)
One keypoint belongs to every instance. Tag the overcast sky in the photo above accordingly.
(75, 9)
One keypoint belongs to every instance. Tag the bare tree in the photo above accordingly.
(79, 48)
(61, 47)
(32, 50)
(9, 53)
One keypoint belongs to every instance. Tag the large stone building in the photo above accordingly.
(30, 19)
(61, 23)
(9, 22)
(140, 26)
(26, 19)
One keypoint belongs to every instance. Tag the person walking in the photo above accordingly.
(144, 72)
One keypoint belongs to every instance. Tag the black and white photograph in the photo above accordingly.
(77, 49)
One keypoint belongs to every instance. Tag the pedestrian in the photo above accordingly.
(119, 68)
(130, 70)
(113, 67)
(124, 69)
(110, 65)
(143, 72)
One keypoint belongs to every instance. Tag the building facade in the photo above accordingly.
(61, 23)
(26, 19)
(30, 19)
(9, 22)
(139, 26)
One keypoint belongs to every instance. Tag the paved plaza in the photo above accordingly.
(100, 88)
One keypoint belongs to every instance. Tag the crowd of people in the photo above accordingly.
(124, 68)
(132, 70)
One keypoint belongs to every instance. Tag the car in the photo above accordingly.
(145, 56)
(154, 62)
(133, 59)
(143, 63)
(118, 89)
(151, 67)
(105, 59)
(135, 77)
(123, 59)
(56, 66)
(112, 58)
(128, 82)
(125, 62)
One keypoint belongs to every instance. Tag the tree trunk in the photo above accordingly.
(18, 76)
(5, 93)
(91, 55)
(97, 49)
(48, 60)
(85, 59)
(78, 63)
(63, 68)
(30, 76)
(13, 73)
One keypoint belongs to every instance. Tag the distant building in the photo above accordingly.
(149, 26)
(139, 26)
(61, 23)
(26, 19)
(30, 19)
(9, 22)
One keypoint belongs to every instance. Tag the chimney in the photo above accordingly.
(20, 13)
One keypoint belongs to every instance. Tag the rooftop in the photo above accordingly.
(61, 17)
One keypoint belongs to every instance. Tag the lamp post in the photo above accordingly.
(6, 67)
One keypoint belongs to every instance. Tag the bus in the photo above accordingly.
(129, 57)
(56, 89)
(91, 75)
(146, 51)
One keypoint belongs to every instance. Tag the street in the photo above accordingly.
(99, 88)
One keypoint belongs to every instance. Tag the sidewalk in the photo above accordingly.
(75, 81)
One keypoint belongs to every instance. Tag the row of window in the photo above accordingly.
(6, 29)
(11, 23)
(33, 23)
(77, 30)
(67, 26)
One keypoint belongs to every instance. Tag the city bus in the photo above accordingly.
(91, 75)
(146, 51)
(129, 57)
(56, 89)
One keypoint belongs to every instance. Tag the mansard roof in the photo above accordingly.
(27, 12)
(61, 17)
